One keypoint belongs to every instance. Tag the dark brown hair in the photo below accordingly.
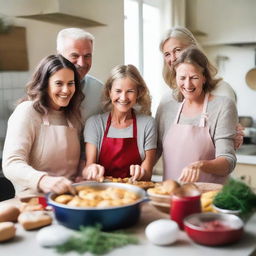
(36, 89)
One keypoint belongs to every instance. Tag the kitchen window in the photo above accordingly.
(144, 24)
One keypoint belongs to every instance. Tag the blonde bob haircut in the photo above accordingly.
(143, 105)
(197, 58)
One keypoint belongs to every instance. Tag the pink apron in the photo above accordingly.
(117, 154)
(185, 144)
(58, 149)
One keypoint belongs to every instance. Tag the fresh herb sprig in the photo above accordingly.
(236, 195)
(92, 239)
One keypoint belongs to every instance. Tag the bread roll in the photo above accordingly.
(170, 186)
(7, 231)
(9, 213)
(31, 207)
(34, 219)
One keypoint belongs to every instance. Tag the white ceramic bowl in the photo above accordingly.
(161, 202)
(226, 211)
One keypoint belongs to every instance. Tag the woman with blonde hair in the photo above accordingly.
(122, 141)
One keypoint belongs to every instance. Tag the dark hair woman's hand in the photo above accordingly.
(58, 185)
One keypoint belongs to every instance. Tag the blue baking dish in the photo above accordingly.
(111, 218)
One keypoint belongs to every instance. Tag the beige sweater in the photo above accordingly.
(22, 142)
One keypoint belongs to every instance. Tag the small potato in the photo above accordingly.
(9, 213)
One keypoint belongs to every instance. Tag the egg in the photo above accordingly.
(53, 235)
(162, 232)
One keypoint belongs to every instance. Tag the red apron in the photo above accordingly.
(185, 144)
(117, 154)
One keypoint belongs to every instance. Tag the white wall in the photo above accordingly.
(224, 21)
(227, 24)
(233, 70)
(109, 43)
(41, 41)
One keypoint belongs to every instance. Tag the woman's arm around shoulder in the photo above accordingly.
(224, 89)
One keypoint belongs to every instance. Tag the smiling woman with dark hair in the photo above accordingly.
(42, 149)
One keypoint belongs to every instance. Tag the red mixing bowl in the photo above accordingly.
(213, 229)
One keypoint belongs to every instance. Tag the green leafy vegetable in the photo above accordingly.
(92, 239)
(236, 195)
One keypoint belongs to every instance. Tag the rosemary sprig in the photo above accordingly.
(92, 239)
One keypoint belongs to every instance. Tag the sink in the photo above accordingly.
(247, 149)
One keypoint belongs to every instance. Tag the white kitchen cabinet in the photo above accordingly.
(223, 22)
(61, 12)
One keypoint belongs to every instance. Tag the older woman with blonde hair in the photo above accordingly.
(196, 131)
(173, 42)
(122, 141)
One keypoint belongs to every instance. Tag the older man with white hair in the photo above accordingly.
(76, 45)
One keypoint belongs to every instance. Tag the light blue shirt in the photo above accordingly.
(92, 89)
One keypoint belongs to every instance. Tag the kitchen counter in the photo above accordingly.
(246, 154)
(25, 244)
(246, 159)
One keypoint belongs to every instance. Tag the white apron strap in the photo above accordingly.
(46, 121)
(204, 115)
(178, 113)
(203, 118)
(70, 125)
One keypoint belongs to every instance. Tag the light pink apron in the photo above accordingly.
(58, 149)
(185, 144)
